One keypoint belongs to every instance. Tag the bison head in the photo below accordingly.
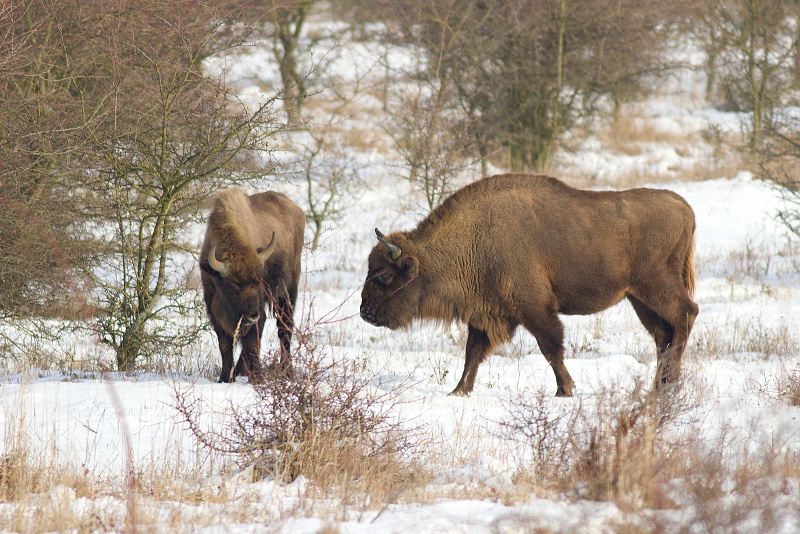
(239, 283)
(393, 287)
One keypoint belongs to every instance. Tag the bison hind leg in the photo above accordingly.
(661, 330)
(549, 333)
(668, 312)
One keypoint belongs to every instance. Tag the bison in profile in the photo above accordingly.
(516, 249)
(250, 259)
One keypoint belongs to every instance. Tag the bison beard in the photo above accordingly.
(516, 249)
(250, 259)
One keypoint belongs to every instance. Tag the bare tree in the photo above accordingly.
(331, 179)
(41, 239)
(779, 159)
(752, 43)
(527, 72)
(288, 19)
(330, 172)
(110, 125)
(285, 30)
(433, 140)
(165, 137)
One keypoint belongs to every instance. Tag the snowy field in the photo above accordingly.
(742, 352)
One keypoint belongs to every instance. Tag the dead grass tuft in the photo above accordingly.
(39, 488)
(785, 387)
(637, 140)
(747, 336)
(631, 134)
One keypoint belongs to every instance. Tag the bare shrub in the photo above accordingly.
(785, 387)
(325, 423)
(626, 447)
(789, 388)
(548, 432)
(643, 450)
(433, 140)
(732, 487)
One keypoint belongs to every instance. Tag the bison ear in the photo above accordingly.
(410, 266)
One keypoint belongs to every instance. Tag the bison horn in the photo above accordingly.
(219, 266)
(394, 249)
(267, 252)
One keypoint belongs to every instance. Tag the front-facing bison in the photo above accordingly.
(516, 249)
(250, 259)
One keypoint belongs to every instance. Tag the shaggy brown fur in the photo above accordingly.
(248, 276)
(516, 249)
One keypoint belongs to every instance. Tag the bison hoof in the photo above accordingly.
(562, 392)
(459, 393)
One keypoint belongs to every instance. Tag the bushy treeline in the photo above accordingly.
(112, 136)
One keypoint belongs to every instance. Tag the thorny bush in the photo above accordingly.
(323, 422)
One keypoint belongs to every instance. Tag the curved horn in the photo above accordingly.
(394, 249)
(267, 252)
(220, 266)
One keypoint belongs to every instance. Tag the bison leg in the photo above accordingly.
(549, 333)
(226, 350)
(250, 360)
(478, 347)
(661, 330)
(671, 302)
(284, 319)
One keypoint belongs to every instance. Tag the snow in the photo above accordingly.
(744, 343)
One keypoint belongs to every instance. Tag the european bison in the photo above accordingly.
(250, 258)
(516, 249)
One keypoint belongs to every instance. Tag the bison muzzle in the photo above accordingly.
(517, 249)
(250, 260)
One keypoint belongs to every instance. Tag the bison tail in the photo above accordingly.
(688, 269)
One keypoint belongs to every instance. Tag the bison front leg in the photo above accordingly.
(478, 347)
(284, 318)
(549, 334)
(226, 351)
(250, 360)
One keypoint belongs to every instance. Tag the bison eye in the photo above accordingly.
(384, 278)
(233, 286)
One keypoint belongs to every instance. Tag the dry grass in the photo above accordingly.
(747, 337)
(39, 486)
(789, 387)
(636, 139)
(646, 451)
(783, 387)
(632, 134)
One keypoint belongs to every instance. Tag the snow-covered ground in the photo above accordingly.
(743, 348)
